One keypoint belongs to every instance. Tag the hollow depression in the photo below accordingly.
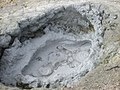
(54, 49)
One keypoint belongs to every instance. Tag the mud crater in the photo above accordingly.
(54, 49)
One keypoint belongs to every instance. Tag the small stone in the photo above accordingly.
(115, 16)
